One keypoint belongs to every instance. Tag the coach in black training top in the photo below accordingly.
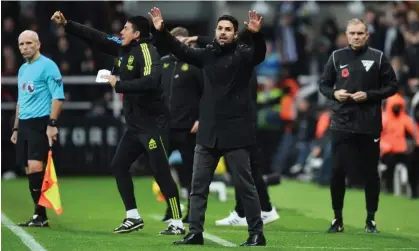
(356, 78)
(144, 109)
(225, 118)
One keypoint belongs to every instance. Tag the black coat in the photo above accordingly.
(226, 117)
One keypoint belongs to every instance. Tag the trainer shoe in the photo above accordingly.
(371, 227)
(129, 225)
(173, 230)
(336, 227)
(268, 217)
(35, 221)
(232, 220)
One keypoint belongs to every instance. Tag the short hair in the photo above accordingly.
(180, 31)
(230, 18)
(141, 24)
(356, 21)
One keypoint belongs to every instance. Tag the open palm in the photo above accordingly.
(255, 22)
(156, 18)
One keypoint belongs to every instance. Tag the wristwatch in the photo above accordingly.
(14, 129)
(52, 122)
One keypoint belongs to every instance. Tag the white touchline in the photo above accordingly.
(208, 236)
(352, 248)
(26, 238)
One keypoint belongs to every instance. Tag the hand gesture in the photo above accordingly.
(255, 22)
(52, 133)
(191, 40)
(111, 78)
(59, 18)
(195, 127)
(341, 95)
(157, 18)
(14, 137)
(359, 96)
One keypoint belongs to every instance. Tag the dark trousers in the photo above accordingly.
(155, 145)
(391, 160)
(261, 187)
(357, 153)
(184, 141)
(205, 162)
(410, 161)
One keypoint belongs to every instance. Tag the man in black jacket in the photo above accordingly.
(144, 110)
(226, 119)
(356, 78)
(269, 213)
(182, 84)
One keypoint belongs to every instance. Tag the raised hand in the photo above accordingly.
(157, 18)
(255, 22)
(59, 18)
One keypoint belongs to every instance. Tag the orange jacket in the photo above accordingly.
(393, 136)
(322, 124)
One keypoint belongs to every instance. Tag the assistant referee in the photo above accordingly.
(40, 99)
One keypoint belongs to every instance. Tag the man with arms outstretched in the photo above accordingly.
(144, 110)
(225, 117)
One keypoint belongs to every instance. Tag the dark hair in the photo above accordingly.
(232, 19)
(141, 24)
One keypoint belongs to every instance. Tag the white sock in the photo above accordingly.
(133, 214)
(177, 223)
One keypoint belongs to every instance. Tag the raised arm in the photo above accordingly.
(97, 39)
(253, 38)
(183, 52)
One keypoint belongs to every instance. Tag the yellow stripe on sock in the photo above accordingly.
(174, 208)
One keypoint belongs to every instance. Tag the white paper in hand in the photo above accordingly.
(100, 73)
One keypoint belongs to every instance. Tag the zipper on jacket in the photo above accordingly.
(171, 86)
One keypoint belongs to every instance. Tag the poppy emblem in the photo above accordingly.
(345, 73)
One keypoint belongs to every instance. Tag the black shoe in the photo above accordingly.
(173, 230)
(191, 239)
(128, 225)
(371, 227)
(186, 219)
(255, 240)
(35, 221)
(336, 227)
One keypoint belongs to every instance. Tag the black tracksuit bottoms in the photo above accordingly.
(261, 187)
(359, 153)
(155, 144)
(184, 141)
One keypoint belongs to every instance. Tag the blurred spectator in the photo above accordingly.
(305, 134)
(393, 144)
